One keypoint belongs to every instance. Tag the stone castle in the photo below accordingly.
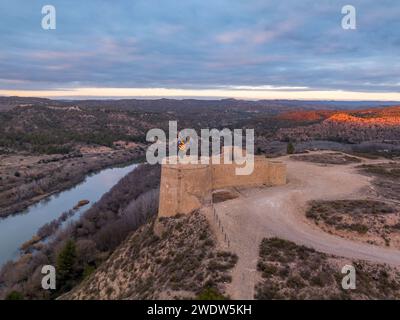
(185, 188)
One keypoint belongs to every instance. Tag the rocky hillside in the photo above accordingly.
(182, 263)
(63, 129)
(353, 127)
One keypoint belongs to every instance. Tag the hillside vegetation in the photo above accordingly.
(351, 126)
(182, 263)
(82, 246)
(290, 271)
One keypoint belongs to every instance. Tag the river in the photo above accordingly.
(19, 228)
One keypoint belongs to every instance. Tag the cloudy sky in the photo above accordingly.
(201, 48)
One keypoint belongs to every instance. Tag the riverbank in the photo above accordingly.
(127, 199)
(27, 180)
(22, 234)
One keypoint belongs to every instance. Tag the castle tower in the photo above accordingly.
(184, 188)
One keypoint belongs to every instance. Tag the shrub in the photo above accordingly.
(295, 282)
(290, 148)
(269, 270)
(88, 270)
(66, 263)
(268, 291)
(210, 293)
(15, 295)
(362, 229)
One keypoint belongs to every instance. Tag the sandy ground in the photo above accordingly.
(280, 211)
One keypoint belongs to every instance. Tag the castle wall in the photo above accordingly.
(187, 187)
(184, 188)
(224, 175)
(277, 174)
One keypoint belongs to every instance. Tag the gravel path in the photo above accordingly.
(279, 211)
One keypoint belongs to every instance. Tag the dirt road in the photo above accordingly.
(280, 211)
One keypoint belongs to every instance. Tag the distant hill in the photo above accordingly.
(382, 124)
(37, 125)
(7, 103)
(198, 104)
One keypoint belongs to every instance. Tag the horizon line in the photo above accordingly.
(202, 94)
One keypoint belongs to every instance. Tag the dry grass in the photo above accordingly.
(370, 221)
(296, 272)
(327, 158)
(387, 179)
(384, 170)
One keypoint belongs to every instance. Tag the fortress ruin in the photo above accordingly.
(187, 187)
